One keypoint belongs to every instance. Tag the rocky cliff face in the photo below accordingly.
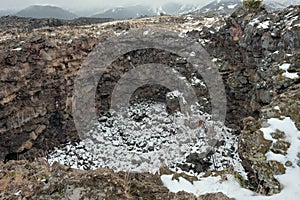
(257, 54)
(249, 50)
(38, 72)
(35, 93)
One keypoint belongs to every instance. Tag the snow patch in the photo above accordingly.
(232, 6)
(145, 137)
(287, 74)
(17, 49)
(264, 25)
(277, 108)
(230, 186)
(254, 22)
(124, 32)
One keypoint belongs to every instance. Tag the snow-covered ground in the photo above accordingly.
(145, 137)
(230, 186)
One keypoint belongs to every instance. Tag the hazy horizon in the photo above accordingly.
(77, 5)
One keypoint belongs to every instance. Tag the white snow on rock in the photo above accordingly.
(210, 19)
(18, 193)
(221, 8)
(264, 25)
(292, 135)
(182, 34)
(124, 32)
(230, 186)
(277, 108)
(232, 6)
(254, 22)
(287, 74)
(290, 75)
(285, 66)
(17, 49)
(175, 94)
(196, 81)
(145, 137)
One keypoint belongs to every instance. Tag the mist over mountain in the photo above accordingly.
(135, 10)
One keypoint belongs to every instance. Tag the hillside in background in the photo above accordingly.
(141, 11)
(216, 7)
(37, 11)
(227, 7)
(126, 12)
(6, 12)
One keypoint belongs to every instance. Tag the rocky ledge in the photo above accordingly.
(18, 182)
(257, 54)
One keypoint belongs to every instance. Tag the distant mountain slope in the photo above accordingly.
(6, 12)
(140, 11)
(289, 2)
(272, 5)
(226, 7)
(37, 11)
(126, 12)
(175, 8)
(219, 7)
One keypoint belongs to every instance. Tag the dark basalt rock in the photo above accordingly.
(198, 162)
(38, 69)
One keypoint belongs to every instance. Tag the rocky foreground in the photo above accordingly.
(257, 54)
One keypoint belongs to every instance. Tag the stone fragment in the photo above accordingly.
(214, 196)
(288, 163)
(281, 147)
(173, 102)
(277, 167)
(25, 146)
(278, 135)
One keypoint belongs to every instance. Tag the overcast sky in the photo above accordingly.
(88, 4)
